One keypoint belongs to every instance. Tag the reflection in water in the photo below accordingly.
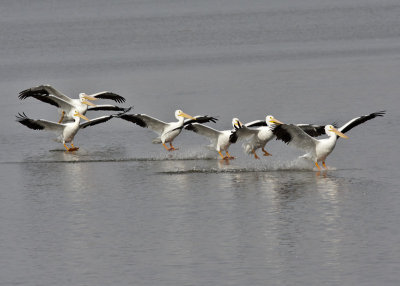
(57, 200)
(300, 214)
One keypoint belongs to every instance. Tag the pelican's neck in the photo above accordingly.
(332, 138)
(77, 120)
(180, 119)
(270, 125)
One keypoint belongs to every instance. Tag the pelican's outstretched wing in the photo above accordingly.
(102, 119)
(256, 123)
(39, 124)
(358, 120)
(295, 136)
(54, 100)
(312, 129)
(96, 121)
(243, 132)
(43, 90)
(106, 107)
(200, 119)
(146, 121)
(204, 130)
(108, 95)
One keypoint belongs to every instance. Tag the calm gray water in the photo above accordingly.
(122, 211)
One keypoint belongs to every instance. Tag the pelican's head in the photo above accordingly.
(179, 114)
(77, 114)
(330, 130)
(272, 121)
(83, 97)
(236, 123)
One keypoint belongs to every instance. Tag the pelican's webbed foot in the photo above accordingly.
(266, 153)
(255, 155)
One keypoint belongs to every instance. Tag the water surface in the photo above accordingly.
(122, 211)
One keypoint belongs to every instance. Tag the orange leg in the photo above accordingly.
(323, 164)
(69, 149)
(62, 117)
(229, 155)
(172, 147)
(166, 147)
(265, 152)
(255, 155)
(319, 168)
(222, 156)
(73, 148)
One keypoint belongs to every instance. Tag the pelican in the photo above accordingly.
(220, 140)
(318, 150)
(49, 94)
(65, 131)
(166, 131)
(260, 133)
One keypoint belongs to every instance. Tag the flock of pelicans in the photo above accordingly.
(256, 134)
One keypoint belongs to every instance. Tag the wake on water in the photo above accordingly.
(206, 159)
(223, 166)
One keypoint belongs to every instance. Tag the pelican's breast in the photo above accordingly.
(324, 147)
(171, 132)
(265, 134)
(70, 131)
(223, 141)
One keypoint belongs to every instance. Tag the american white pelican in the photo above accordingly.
(260, 133)
(318, 150)
(166, 131)
(220, 140)
(65, 131)
(49, 94)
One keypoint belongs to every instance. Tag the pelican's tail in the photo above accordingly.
(157, 140)
(58, 139)
(247, 148)
(306, 156)
(210, 147)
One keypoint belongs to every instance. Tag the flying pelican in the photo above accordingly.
(49, 94)
(65, 131)
(220, 140)
(318, 150)
(260, 133)
(166, 131)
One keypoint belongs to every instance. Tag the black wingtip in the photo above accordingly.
(112, 96)
(24, 120)
(134, 119)
(21, 116)
(281, 134)
(123, 112)
(38, 91)
(379, 113)
(190, 127)
(212, 119)
(24, 94)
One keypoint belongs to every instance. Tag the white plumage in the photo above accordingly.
(318, 150)
(167, 132)
(65, 131)
(67, 105)
(221, 140)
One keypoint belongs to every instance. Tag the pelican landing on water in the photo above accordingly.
(167, 131)
(318, 150)
(220, 140)
(259, 133)
(67, 105)
(65, 131)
